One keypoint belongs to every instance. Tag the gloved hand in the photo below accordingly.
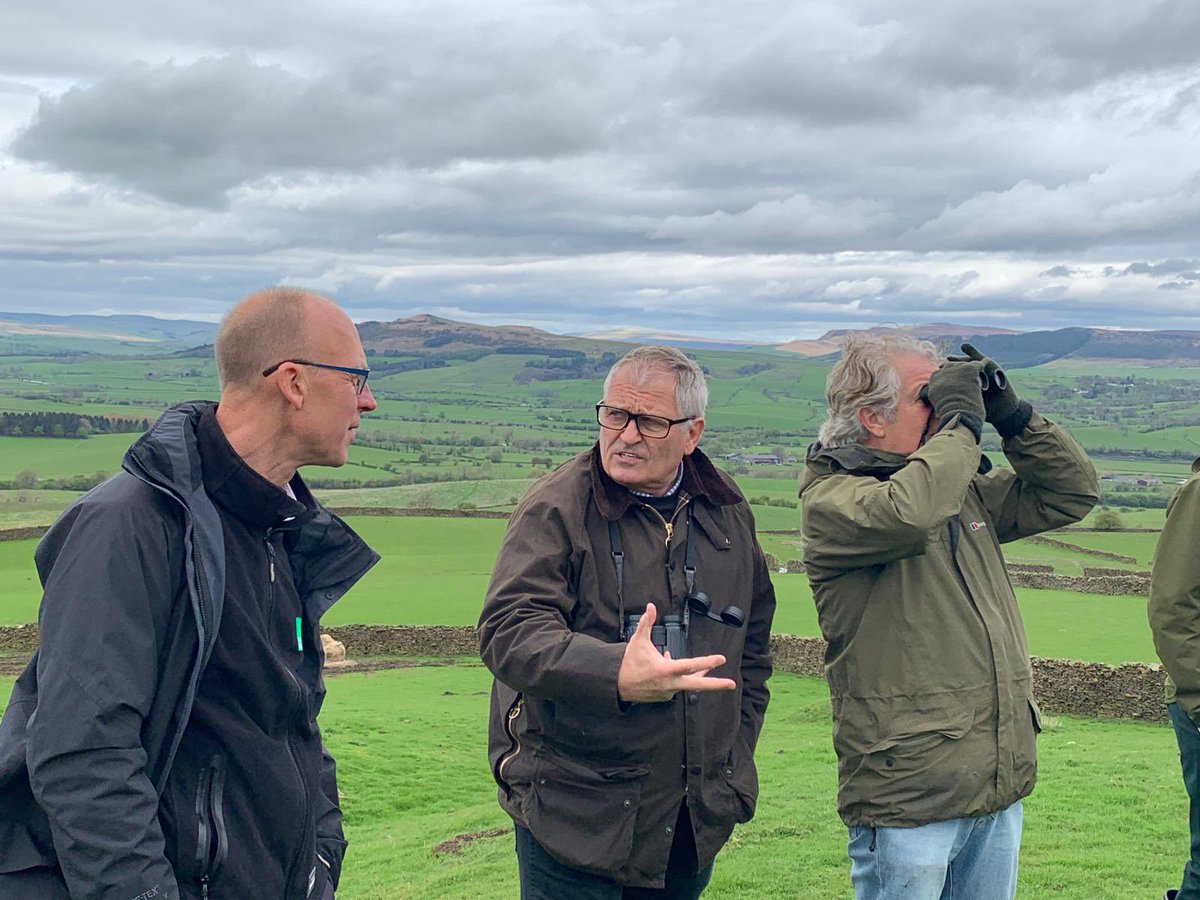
(955, 390)
(1004, 408)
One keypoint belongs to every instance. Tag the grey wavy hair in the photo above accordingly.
(691, 391)
(866, 378)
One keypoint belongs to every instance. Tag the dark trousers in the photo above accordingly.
(1188, 736)
(545, 878)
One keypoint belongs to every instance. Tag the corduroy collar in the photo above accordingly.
(700, 479)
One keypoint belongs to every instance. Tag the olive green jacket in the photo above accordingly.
(1175, 597)
(927, 664)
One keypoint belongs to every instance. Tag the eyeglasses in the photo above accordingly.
(648, 426)
(358, 377)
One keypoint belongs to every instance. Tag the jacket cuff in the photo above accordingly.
(1018, 421)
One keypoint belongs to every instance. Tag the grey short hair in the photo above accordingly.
(267, 327)
(866, 378)
(691, 391)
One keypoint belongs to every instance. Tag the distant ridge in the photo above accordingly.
(424, 336)
(651, 336)
(831, 341)
(140, 329)
(1035, 348)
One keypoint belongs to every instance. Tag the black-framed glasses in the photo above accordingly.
(648, 426)
(358, 376)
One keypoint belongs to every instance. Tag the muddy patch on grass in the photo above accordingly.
(455, 845)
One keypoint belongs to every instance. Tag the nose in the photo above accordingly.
(630, 433)
(366, 400)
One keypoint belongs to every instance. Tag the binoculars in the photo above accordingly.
(669, 633)
(996, 380)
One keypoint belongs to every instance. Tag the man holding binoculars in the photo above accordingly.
(934, 721)
(627, 704)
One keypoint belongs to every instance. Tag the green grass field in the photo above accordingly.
(1107, 820)
(435, 571)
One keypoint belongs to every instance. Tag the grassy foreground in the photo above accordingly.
(1108, 820)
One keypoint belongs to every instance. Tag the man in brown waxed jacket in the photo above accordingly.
(934, 720)
(626, 768)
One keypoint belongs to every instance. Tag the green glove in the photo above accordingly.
(955, 390)
(1005, 409)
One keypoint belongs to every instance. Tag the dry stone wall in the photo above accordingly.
(1075, 548)
(1131, 691)
(1109, 585)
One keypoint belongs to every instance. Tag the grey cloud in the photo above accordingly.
(1166, 267)
(190, 133)
(1057, 272)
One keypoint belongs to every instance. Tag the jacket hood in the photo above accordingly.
(855, 459)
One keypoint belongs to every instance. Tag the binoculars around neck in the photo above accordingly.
(669, 633)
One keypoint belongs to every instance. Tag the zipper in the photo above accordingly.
(954, 525)
(287, 742)
(668, 527)
(510, 726)
(212, 844)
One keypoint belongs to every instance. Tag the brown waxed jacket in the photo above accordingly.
(599, 783)
(927, 664)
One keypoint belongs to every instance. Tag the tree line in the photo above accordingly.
(66, 425)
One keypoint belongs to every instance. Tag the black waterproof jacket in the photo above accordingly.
(134, 580)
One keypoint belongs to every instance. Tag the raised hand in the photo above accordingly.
(646, 676)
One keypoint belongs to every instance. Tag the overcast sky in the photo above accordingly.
(760, 170)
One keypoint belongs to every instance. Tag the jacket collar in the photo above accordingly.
(242, 492)
(700, 479)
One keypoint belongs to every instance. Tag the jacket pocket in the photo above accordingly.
(732, 791)
(919, 745)
(584, 814)
(212, 843)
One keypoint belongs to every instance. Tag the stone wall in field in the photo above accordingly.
(1131, 691)
(23, 534)
(1026, 568)
(1075, 548)
(1127, 585)
(1104, 571)
(408, 511)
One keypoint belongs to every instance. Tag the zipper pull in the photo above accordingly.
(670, 531)
(515, 711)
(271, 555)
(204, 888)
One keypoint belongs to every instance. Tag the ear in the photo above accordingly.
(292, 383)
(873, 422)
(695, 429)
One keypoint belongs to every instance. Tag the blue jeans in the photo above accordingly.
(1188, 737)
(962, 859)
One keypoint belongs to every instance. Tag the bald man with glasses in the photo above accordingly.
(627, 623)
(163, 742)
